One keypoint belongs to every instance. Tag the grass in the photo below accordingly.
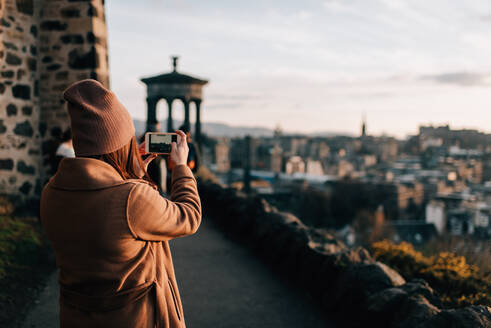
(25, 262)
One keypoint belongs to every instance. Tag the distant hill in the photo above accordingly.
(331, 134)
(224, 130)
(214, 129)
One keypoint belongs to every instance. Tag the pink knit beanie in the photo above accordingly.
(100, 123)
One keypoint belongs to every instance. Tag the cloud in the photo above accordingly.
(336, 6)
(228, 105)
(304, 15)
(236, 97)
(334, 58)
(370, 95)
(466, 79)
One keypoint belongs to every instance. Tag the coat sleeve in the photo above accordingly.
(153, 217)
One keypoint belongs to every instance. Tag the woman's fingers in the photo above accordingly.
(179, 152)
(147, 160)
(141, 148)
(182, 136)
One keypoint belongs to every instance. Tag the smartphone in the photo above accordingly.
(159, 142)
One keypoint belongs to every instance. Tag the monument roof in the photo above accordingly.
(173, 77)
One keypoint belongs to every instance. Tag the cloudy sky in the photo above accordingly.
(312, 65)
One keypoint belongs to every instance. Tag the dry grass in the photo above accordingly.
(476, 252)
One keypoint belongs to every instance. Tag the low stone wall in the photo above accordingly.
(348, 283)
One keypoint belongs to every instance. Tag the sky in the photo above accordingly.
(311, 65)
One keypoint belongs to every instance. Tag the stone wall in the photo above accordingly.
(20, 153)
(44, 46)
(347, 283)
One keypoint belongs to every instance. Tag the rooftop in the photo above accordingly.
(173, 77)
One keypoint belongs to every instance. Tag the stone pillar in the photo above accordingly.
(72, 46)
(186, 113)
(170, 125)
(197, 127)
(20, 130)
(151, 114)
(45, 45)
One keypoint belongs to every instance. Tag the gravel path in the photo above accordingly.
(222, 284)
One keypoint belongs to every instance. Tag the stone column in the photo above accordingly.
(72, 45)
(170, 127)
(186, 113)
(151, 114)
(21, 132)
(197, 127)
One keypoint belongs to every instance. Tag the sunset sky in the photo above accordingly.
(312, 65)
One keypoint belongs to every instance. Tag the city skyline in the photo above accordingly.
(312, 67)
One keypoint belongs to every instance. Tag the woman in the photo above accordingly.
(108, 224)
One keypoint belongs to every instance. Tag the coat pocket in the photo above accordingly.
(174, 298)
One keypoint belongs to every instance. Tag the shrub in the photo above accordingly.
(19, 243)
(457, 282)
(448, 264)
(475, 251)
(402, 257)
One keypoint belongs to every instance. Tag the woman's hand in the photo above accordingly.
(149, 158)
(180, 150)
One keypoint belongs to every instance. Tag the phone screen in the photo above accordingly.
(161, 143)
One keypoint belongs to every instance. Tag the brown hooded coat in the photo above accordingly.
(111, 237)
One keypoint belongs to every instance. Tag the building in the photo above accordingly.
(486, 172)
(435, 214)
(345, 168)
(460, 214)
(222, 159)
(314, 167)
(414, 231)
(460, 221)
(295, 164)
(482, 220)
(276, 159)
(465, 138)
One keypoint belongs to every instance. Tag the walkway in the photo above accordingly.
(222, 284)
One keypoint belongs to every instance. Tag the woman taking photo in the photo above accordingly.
(108, 224)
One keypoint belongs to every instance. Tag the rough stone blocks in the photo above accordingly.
(44, 46)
